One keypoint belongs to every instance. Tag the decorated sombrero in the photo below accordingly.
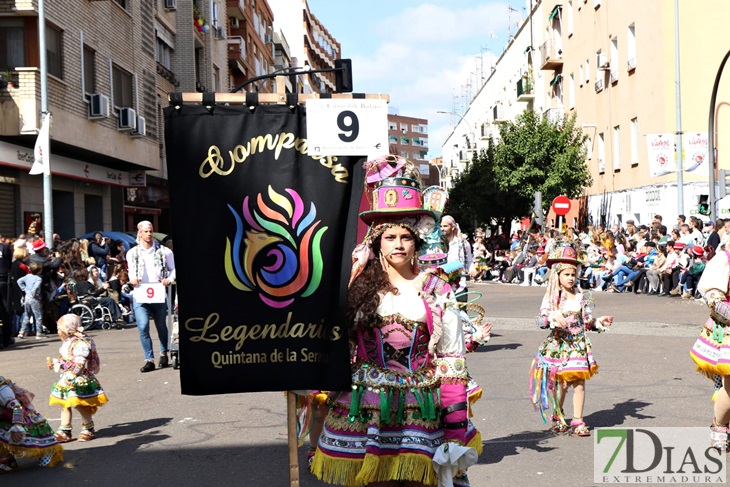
(394, 197)
(564, 252)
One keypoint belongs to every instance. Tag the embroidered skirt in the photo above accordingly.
(711, 351)
(83, 391)
(39, 439)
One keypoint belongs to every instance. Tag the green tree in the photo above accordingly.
(475, 199)
(534, 154)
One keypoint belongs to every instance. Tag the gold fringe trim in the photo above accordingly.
(473, 398)
(73, 402)
(25, 452)
(709, 370)
(356, 473)
(577, 375)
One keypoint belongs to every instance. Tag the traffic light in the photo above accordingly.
(704, 206)
(537, 209)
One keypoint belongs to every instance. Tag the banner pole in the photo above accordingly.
(291, 416)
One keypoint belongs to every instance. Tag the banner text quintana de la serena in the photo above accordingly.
(215, 164)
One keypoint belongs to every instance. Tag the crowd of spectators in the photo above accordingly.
(645, 259)
(69, 271)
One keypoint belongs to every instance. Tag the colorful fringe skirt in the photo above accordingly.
(357, 453)
(39, 440)
(83, 391)
(711, 351)
(563, 359)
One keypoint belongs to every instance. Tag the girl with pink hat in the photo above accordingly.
(565, 358)
(405, 419)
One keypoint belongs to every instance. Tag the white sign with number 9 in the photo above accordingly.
(150, 292)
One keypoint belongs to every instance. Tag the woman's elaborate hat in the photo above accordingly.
(564, 252)
(396, 196)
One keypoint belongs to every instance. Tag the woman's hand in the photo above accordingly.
(605, 321)
(16, 437)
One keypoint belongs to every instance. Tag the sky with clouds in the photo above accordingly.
(428, 56)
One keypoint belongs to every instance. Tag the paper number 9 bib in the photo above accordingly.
(150, 292)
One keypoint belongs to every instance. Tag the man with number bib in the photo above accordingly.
(151, 270)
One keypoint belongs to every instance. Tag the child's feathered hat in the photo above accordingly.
(564, 252)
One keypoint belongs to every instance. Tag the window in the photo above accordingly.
(121, 3)
(601, 153)
(614, 60)
(12, 46)
(600, 61)
(634, 141)
(616, 148)
(631, 48)
(415, 128)
(89, 74)
(122, 87)
(580, 75)
(216, 78)
(588, 70)
(404, 127)
(570, 17)
(163, 55)
(571, 91)
(392, 126)
(588, 145)
(54, 52)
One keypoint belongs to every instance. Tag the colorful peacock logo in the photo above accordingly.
(278, 255)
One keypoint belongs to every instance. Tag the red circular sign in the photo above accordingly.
(561, 205)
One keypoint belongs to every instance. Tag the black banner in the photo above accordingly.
(263, 234)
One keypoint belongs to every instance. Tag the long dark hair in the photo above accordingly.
(363, 294)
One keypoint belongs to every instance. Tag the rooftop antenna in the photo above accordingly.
(510, 9)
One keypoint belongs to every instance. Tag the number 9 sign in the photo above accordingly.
(150, 292)
(347, 127)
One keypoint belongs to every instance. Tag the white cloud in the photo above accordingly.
(427, 59)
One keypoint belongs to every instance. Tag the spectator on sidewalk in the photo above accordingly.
(456, 250)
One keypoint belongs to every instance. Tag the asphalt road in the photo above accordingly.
(151, 435)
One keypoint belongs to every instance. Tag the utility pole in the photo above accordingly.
(678, 92)
(47, 188)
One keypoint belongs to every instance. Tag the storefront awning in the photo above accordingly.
(555, 12)
(22, 157)
(556, 79)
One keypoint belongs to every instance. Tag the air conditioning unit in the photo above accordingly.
(98, 106)
(171, 4)
(601, 166)
(220, 33)
(602, 61)
(614, 76)
(127, 119)
(631, 64)
(599, 85)
(235, 23)
(139, 130)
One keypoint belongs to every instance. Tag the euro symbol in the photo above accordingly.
(377, 146)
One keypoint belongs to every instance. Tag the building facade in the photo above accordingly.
(111, 65)
(613, 64)
(408, 137)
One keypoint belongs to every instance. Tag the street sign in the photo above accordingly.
(561, 205)
(347, 127)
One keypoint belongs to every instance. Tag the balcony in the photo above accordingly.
(552, 56)
(554, 115)
(525, 90)
(237, 54)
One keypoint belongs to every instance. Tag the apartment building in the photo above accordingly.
(612, 63)
(111, 65)
(310, 44)
(408, 137)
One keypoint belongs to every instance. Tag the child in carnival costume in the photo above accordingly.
(711, 351)
(24, 433)
(565, 358)
(405, 418)
(78, 387)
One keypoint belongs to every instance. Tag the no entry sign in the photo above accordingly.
(561, 205)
